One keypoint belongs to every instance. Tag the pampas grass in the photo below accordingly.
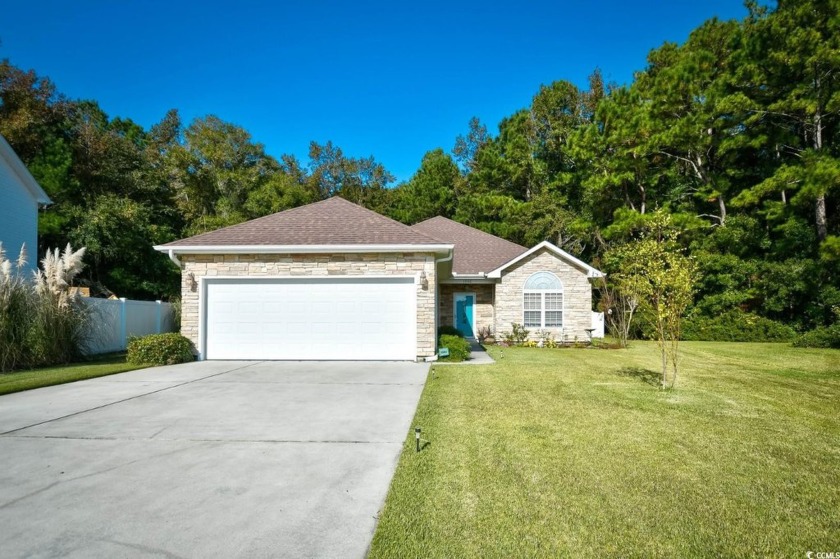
(16, 303)
(41, 322)
(62, 319)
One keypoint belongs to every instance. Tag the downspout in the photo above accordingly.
(437, 299)
(446, 258)
(174, 259)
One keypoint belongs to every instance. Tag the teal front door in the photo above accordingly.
(464, 316)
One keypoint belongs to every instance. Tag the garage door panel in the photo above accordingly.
(345, 332)
(225, 307)
(308, 318)
(295, 332)
(250, 329)
(293, 307)
(272, 307)
(346, 307)
(372, 329)
(322, 307)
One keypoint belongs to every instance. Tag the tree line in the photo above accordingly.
(732, 134)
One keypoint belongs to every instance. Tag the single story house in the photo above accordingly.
(333, 280)
(20, 198)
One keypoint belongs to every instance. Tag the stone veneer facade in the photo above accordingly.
(577, 296)
(301, 265)
(484, 294)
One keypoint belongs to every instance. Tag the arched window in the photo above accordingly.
(542, 301)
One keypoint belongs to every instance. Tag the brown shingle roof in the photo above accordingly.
(333, 221)
(475, 251)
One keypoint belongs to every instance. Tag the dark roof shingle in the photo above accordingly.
(333, 221)
(475, 251)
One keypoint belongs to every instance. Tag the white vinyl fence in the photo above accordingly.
(597, 325)
(115, 320)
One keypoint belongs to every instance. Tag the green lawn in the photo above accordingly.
(37, 378)
(572, 452)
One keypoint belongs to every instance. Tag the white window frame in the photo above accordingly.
(542, 310)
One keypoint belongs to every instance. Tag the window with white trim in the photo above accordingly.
(542, 301)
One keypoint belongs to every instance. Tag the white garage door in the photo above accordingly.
(310, 318)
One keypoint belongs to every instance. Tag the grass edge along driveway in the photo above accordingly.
(98, 366)
(553, 453)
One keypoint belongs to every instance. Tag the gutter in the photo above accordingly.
(446, 258)
(301, 249)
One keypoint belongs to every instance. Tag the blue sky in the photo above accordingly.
(388, 79)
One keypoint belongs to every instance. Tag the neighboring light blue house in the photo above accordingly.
(20, 198)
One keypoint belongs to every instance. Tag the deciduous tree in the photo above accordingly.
(664, 278)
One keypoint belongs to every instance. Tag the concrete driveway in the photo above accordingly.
(208, 459)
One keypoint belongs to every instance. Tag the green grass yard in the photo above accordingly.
(572, 452)
(37, 378)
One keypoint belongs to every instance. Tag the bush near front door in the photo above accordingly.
(459, 348)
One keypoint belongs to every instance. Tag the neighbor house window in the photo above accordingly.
(542, 301)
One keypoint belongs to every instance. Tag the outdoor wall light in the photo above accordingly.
(417, 437)
(424, 281)
(191, 279)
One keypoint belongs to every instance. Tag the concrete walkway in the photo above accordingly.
(209, 459)
(478, 356)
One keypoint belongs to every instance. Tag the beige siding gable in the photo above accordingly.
(577, 295)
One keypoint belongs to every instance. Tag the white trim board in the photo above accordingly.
(458, 281)
(300, 249)
(560, 253)
(26, 178)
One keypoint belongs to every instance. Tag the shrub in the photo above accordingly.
(484, 332)
(823, 337)
(736, 326)
(159, 349)
(448, 330)
(16, 303)
(41, 323)
(517, 335)
(520, 334)
(459, 348)
(546, 339)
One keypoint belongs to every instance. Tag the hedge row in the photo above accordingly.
(736, 326)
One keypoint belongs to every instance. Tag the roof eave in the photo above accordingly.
(590, 271)
(469, 280)
(23, 173)
(302, 249)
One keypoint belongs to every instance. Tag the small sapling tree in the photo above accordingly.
(656, 270)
